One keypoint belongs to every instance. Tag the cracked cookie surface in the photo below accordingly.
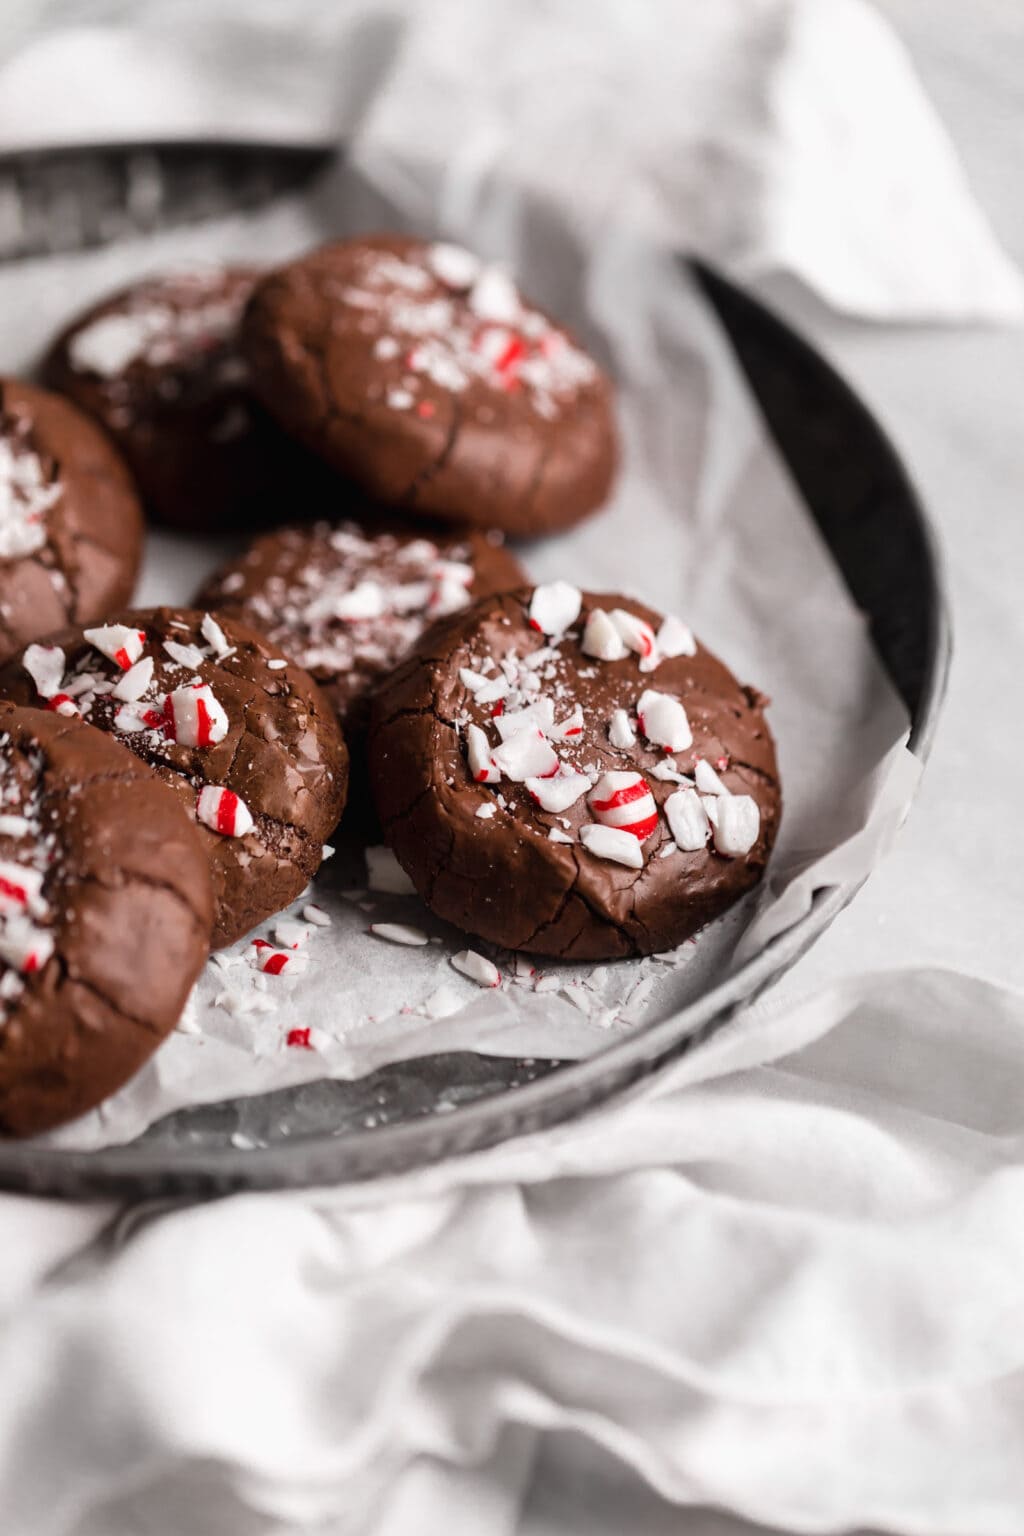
(422, 375)
(70, 520)
(245, 739)
(566, 773)
(105, 913)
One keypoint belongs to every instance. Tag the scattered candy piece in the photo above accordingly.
(687, 819)
(737, 825)
(527, 755)
(557, 794)
(118, 643)
(555, 607)
(195, 717)
(663, 721)
(540, 715)
(707, 779)
(45, 666)
(624, 800)
(223, 811)
(487, 810)
(456, 267)
(477, 968)
(620, 732)
(556, 835)
(478, 754)
(675, 638)
(570, 727)
(189, 656)
(316, 915)
(20, 887)
(494, 297)
(299, 1038)
(633, 631)
(399, 933)
(214, 636)
(614, 844)
(131, 685)
(601, 639)
(669, 773)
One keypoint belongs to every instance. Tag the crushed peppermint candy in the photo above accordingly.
(477, 967)
(623, 799)
(194, 718)
(26, 938)
(663, 721)
(215, 637)
(614, 844)
(736, 826)
(707, 779)
(601, 638)
(399, 933)
(132, 684)
(555, 608)
(220, 809)
(45, 665)
(674, 638)
(620, 732)
(118, 643)
(687, 819)
(29, 488)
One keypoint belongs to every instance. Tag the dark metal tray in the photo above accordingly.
(859, 495)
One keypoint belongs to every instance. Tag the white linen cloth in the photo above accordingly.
(784, 1279)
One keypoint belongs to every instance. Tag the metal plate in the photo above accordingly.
(859, 495)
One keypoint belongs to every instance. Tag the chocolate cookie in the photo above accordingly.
(421, 375)
(70, 521)
(105, 912)
(349, 601)
(159, 364)
(566, 773)
(246, 740)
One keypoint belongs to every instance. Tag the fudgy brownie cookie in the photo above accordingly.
(159, 364)
(570, 774)
(348, 601)
(422, 375)
(70, 521)
(246, 740)
(105, 912)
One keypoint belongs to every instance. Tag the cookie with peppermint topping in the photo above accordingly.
(347, 601)
(572, 774)
(421, 374)
(105, 915)
(246, 740)
(70, 518)
(159, 364)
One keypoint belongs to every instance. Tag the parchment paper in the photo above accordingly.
(704, 523)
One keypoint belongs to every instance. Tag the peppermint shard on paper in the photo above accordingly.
(105, 914)
(571, 774)
(253, 752)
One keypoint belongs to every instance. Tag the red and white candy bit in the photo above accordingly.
(63, 704)
(133, 683)
(675, 638)
(400, 933)
(623, 799)
(20, 886)
(539, 715)
(223, 811)
(557, 794)
(736, 825)
(566, 729)
(663, 721)
(25, 946)
(479, 969)
(526, 755)
(118, 642)
(707, 779)
(614, 844)
(190, 656)
(687, 820)
(634, 632)
(601, 639)
(478, 754)
(45, 666)
(194, 718)
(273, 962)
(555, 607)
